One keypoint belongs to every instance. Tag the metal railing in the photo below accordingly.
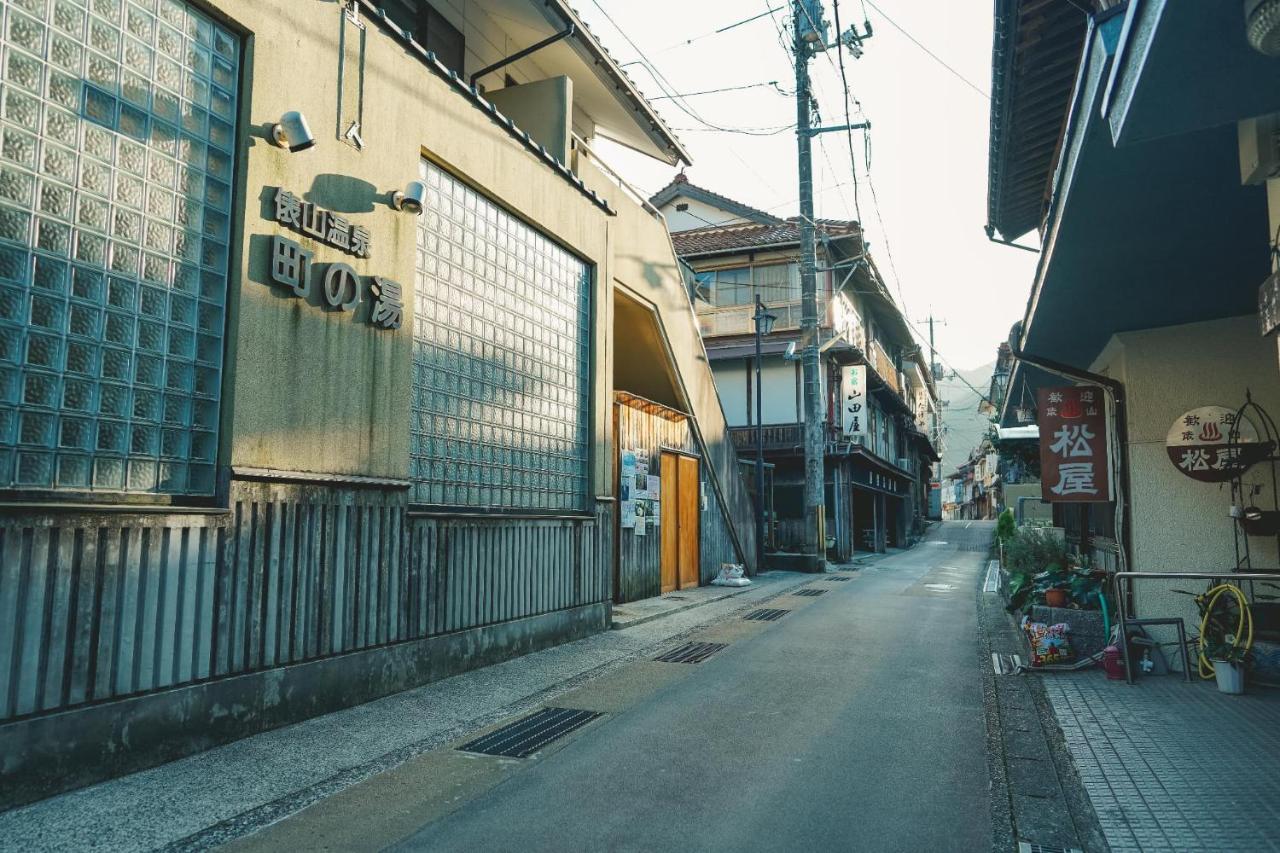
(737, 319)
(885, 366)
(1123, 587)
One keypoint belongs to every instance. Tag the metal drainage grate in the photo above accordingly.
(1031, 847)
(848, 569)
(766, 615)
(809, 592)
(835, 578)
(674, 598)
(691, 652)
(525, 737)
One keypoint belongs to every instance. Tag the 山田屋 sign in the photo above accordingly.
(1075, 458)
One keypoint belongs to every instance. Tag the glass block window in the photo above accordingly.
(117, 128)
(500, 359)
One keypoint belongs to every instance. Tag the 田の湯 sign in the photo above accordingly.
(1206, 444)
(1075, 458)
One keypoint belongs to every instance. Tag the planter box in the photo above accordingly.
(1087, 637)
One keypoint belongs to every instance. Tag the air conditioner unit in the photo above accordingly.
(1259, 148)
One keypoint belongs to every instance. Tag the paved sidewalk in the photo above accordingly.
(638, 612)
(1174, 766)
(200, 801)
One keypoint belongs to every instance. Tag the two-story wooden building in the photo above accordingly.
(881, 397)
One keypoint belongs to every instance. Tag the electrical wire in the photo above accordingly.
(723, 29)
(938, 59)
(768, 83)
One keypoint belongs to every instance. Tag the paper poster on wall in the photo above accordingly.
(640, 525)
(640, 483)
(655, 513)
(628, 512)
(624, 490)
(628, 467)
(653, 487)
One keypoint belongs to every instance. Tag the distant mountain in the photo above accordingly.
(963, 425)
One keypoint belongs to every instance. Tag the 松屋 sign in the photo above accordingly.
(1202, 445)
(1074, 446)
(853, 402)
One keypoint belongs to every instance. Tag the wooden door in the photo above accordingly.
(670, 562)
(687, 498)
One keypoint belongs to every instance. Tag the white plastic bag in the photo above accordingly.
(731, 574)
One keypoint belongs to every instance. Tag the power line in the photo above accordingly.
(938, 59)
(772, 83)
(723, 29)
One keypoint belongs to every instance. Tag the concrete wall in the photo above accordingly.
(1180, 524)
(543, 108)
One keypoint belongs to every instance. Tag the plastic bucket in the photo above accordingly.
(1230, 677)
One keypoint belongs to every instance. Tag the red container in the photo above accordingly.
(1113, 663)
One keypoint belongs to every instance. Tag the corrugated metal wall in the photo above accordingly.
(640, 557)
(98, 606)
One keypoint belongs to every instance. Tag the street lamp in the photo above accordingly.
(764, 325)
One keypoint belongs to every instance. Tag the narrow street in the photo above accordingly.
(855, 721)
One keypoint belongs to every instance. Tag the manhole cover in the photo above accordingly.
(525, 737)
(691, 652)
(766, 615)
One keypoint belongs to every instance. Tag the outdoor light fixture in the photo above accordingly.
(411, 199)
(1262, 25)
(293, 132)
(764, 320)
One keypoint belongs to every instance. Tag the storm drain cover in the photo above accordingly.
(691, 652)
(848, 569)
(674, 598)
(766, 615)
(525, 737)
(1032, 847)
(809, 592)
(834, 578)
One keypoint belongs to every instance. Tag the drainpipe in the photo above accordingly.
(1116, 388)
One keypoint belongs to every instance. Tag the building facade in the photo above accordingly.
(307, 392)
(880, 396)
(1114, 158)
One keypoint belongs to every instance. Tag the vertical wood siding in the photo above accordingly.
(640, 557)
(99, 606)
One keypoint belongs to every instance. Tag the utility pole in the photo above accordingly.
(807, 15)
(934, 371)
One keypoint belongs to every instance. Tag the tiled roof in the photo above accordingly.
(752, 235)
(680, 187)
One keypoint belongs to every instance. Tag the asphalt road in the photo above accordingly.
(855, 722)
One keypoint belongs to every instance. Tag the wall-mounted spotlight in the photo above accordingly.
(293, 132)
(411, 199)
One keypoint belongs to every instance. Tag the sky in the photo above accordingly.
(928, 140)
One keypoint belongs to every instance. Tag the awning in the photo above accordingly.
(1183, 67)
(1019, 432)
(1141, 236)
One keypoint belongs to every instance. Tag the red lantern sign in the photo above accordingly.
(1075, 458)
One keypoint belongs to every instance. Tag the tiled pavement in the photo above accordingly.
(1174, 766)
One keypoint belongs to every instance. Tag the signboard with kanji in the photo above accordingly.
(1075, 458)
(1202, 445)
(853, 402)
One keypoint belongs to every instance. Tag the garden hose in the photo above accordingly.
(1243, 637)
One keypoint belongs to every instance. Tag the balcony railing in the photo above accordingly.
(884, 365)
(736, 320)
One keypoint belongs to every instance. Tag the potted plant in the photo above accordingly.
(1229, 663)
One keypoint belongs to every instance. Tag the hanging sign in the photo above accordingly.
(853, 402)
(1074, 445)
(1200, 444)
